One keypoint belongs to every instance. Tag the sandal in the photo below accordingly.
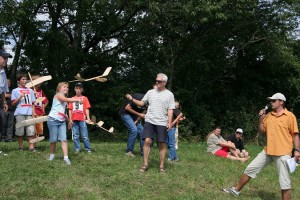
(162, 170)
(144, 168)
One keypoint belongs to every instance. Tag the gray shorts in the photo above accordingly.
(262, 160)
(29, 129)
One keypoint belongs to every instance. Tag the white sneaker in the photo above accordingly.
(67, 161)
(51, 157)
(234, 192)
(130, 154)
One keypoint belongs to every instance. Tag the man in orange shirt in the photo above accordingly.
(281, 129)
(79, 114)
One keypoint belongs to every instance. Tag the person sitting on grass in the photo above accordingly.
(220, 147)
(238, 142)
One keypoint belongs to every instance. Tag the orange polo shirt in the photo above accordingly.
(280, 133)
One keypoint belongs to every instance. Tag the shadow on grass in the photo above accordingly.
(265, 195)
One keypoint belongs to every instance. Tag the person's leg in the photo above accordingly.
(10, 125)
(146, 148)
(53, 134)
(20, 131)
(30, 133)
(62, 137)
(171, 145)
(162, 154)
(129, 123)
(75, 132)
(85, 135)
(3, 124)
(161, 139)
(140, 131)
(253, 169)
(284, 176)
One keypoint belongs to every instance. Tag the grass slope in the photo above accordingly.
(108, 173)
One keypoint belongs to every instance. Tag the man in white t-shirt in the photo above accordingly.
(158, 118)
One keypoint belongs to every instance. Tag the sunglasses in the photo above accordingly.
(159, 81)
(273, 100)
(239, 133)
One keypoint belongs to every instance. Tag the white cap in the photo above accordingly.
(239, 130)
(277, 96)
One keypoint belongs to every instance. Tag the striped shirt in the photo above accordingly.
(159, 103)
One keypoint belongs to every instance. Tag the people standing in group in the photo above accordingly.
(23, 98)
(79, 115)
(218, 146)
(281, 129)
(237, 140)
(177, 116)
(158, 118)
(132, 116)
(3, 84)
(57, 120)
(7, 117)
(178, 106)
(40, 106)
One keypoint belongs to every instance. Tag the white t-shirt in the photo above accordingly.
(159, 102)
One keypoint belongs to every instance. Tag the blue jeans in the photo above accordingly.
(134, 129)
(171, 144)
(77, 128)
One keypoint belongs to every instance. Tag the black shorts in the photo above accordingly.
(159, 131)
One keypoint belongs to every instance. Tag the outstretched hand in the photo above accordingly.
(129, 97)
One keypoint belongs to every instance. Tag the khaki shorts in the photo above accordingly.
(29, 129)
(262, 160)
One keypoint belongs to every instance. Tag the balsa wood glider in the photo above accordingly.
(100, 78)
(38, 81)
(31, 121)
(100, 124)
(40, 99)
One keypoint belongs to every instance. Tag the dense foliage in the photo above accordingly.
(223, 58)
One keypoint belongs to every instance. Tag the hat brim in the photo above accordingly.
(6, 55)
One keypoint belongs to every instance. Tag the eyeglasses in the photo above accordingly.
(273, 100)
(239, 133)
(159, 81)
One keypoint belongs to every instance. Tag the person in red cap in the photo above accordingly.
(281, 129)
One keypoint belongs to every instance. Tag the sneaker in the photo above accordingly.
(51, 157)
(77, 151)
(21, 149)
(32, 150)
(67, 161)
(89, 151)
(234, 192)
(130, 154)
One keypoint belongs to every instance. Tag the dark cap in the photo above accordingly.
(79, 84)
(3, 53)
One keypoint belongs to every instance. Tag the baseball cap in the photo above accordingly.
(277, 96)
(79, 84)
(239, 130)
(3, 53)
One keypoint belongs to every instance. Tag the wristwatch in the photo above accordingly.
(297, 149)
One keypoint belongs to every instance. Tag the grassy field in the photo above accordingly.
(108, 173)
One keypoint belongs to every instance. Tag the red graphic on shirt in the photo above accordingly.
(78, 109)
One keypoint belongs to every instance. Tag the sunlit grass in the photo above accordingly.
(108, 173)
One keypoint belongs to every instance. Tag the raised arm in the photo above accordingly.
(136, 102)
(261, 127)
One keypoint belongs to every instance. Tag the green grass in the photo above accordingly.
(108, 173)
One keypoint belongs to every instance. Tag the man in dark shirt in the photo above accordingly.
(238, 142)
(131, 115)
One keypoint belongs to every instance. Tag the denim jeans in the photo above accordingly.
(134, 129)
(171, 144)
(57, 130)
(77, 128)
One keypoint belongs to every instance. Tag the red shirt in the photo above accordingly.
(39, 105)
(79, 110)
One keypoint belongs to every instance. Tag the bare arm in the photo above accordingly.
(87, 111)
(170, 118)
(16, 101)
(297, 146)
(261, 127)
(177, 119)
(68, 100)
(227, 144)
(129, 109)
(136, 102)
